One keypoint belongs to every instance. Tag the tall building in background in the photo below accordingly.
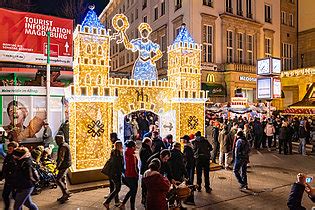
(234, 34)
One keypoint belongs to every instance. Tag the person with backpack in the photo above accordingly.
(242, 150)
(25, 179)
(8, 173)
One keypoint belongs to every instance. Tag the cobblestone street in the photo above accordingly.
(270, 179)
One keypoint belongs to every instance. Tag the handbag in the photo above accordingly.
(107, 167)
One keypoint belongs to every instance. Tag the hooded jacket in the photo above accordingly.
(24, 176)
(269, 129)
(177, 165)
(131, 163)
(157, 187)
(9, 168)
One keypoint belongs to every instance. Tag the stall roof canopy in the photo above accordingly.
(214, 89)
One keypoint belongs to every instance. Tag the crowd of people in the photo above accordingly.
(22, 172)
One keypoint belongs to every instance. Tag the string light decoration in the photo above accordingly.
(97, 101)
(144, 67)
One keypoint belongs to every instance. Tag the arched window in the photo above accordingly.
(186, 84)
(100, 50)
(87, 79)
(193, 84)
(88, 49)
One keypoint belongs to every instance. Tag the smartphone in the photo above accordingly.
(309, 179)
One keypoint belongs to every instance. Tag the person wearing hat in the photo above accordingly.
(302, 138)
(25, 179)
(176, 163)
(242, 150)
(189, 159)
(131, 174)
(157, 143)
(63, 164)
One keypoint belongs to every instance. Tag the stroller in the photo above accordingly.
(46, 179)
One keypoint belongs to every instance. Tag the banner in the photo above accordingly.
(31, 90)
(23, 38)
(264, 88)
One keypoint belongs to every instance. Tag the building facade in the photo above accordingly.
(234, 34)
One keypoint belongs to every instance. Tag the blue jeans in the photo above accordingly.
(23, 197)
(240, 165)
(302, 145)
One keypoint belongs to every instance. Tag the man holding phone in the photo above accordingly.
(297, 190)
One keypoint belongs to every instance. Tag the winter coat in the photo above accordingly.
(131, 163)
(143, 124)
(145, 153)
(165, 169)
(258, 128)
(24, 175)
(9, 169)
(157, 145)
(157, 187)
(128, 129)
(269, 130)
(66, 162)
(242, 149)
(202, 148)
(302, 132)
(230, 139)
(209, 133)
(117, 164)
(64, 128)
(177, 165)
(47, 136)
(225, 145)
(295, 197)
(284, 132)
(189, 159)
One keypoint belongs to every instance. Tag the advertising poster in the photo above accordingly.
(264, 88)
(25, 115)
(276, 88)
(24, 38)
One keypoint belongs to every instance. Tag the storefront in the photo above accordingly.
(241, 85)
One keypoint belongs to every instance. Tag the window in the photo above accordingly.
(156, 13)
(283, 17)
(249, 13)
(229, 46)
(123, 8)
(208, 43)
(287, 56)
(240, 47)
(144, 5)
(163, 44)
(291, 21)
(250, 47)
(228, 6)
(136, 14)
(267, 13)
(178, 4)
(176, 31)
(100, 50)
(208, 3)
(163, 8)
(268, 47)
(239, 7)
(145, 19)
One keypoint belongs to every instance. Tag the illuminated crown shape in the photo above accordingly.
(184, 36)
(91, 20)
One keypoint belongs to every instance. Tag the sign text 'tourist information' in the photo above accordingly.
(24, 38)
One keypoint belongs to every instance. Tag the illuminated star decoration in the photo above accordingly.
(184, 36)
(96, 128)
(192, 122)
(92, 20)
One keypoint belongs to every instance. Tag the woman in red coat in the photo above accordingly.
(157, 187)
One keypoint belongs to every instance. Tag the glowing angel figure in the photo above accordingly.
(144, 67)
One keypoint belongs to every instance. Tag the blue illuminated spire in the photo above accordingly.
(184, 36)
(92, 20)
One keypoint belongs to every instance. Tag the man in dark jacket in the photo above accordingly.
(202, 149)
(8, 170)
(177, 163)
(64, 130)
(157, 143)
(215, 143)
(302, 138)
(63, 163)
(242, 150)
(47, 135)
(258, 133)
(165, 169)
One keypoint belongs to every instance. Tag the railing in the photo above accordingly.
(240, 67)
